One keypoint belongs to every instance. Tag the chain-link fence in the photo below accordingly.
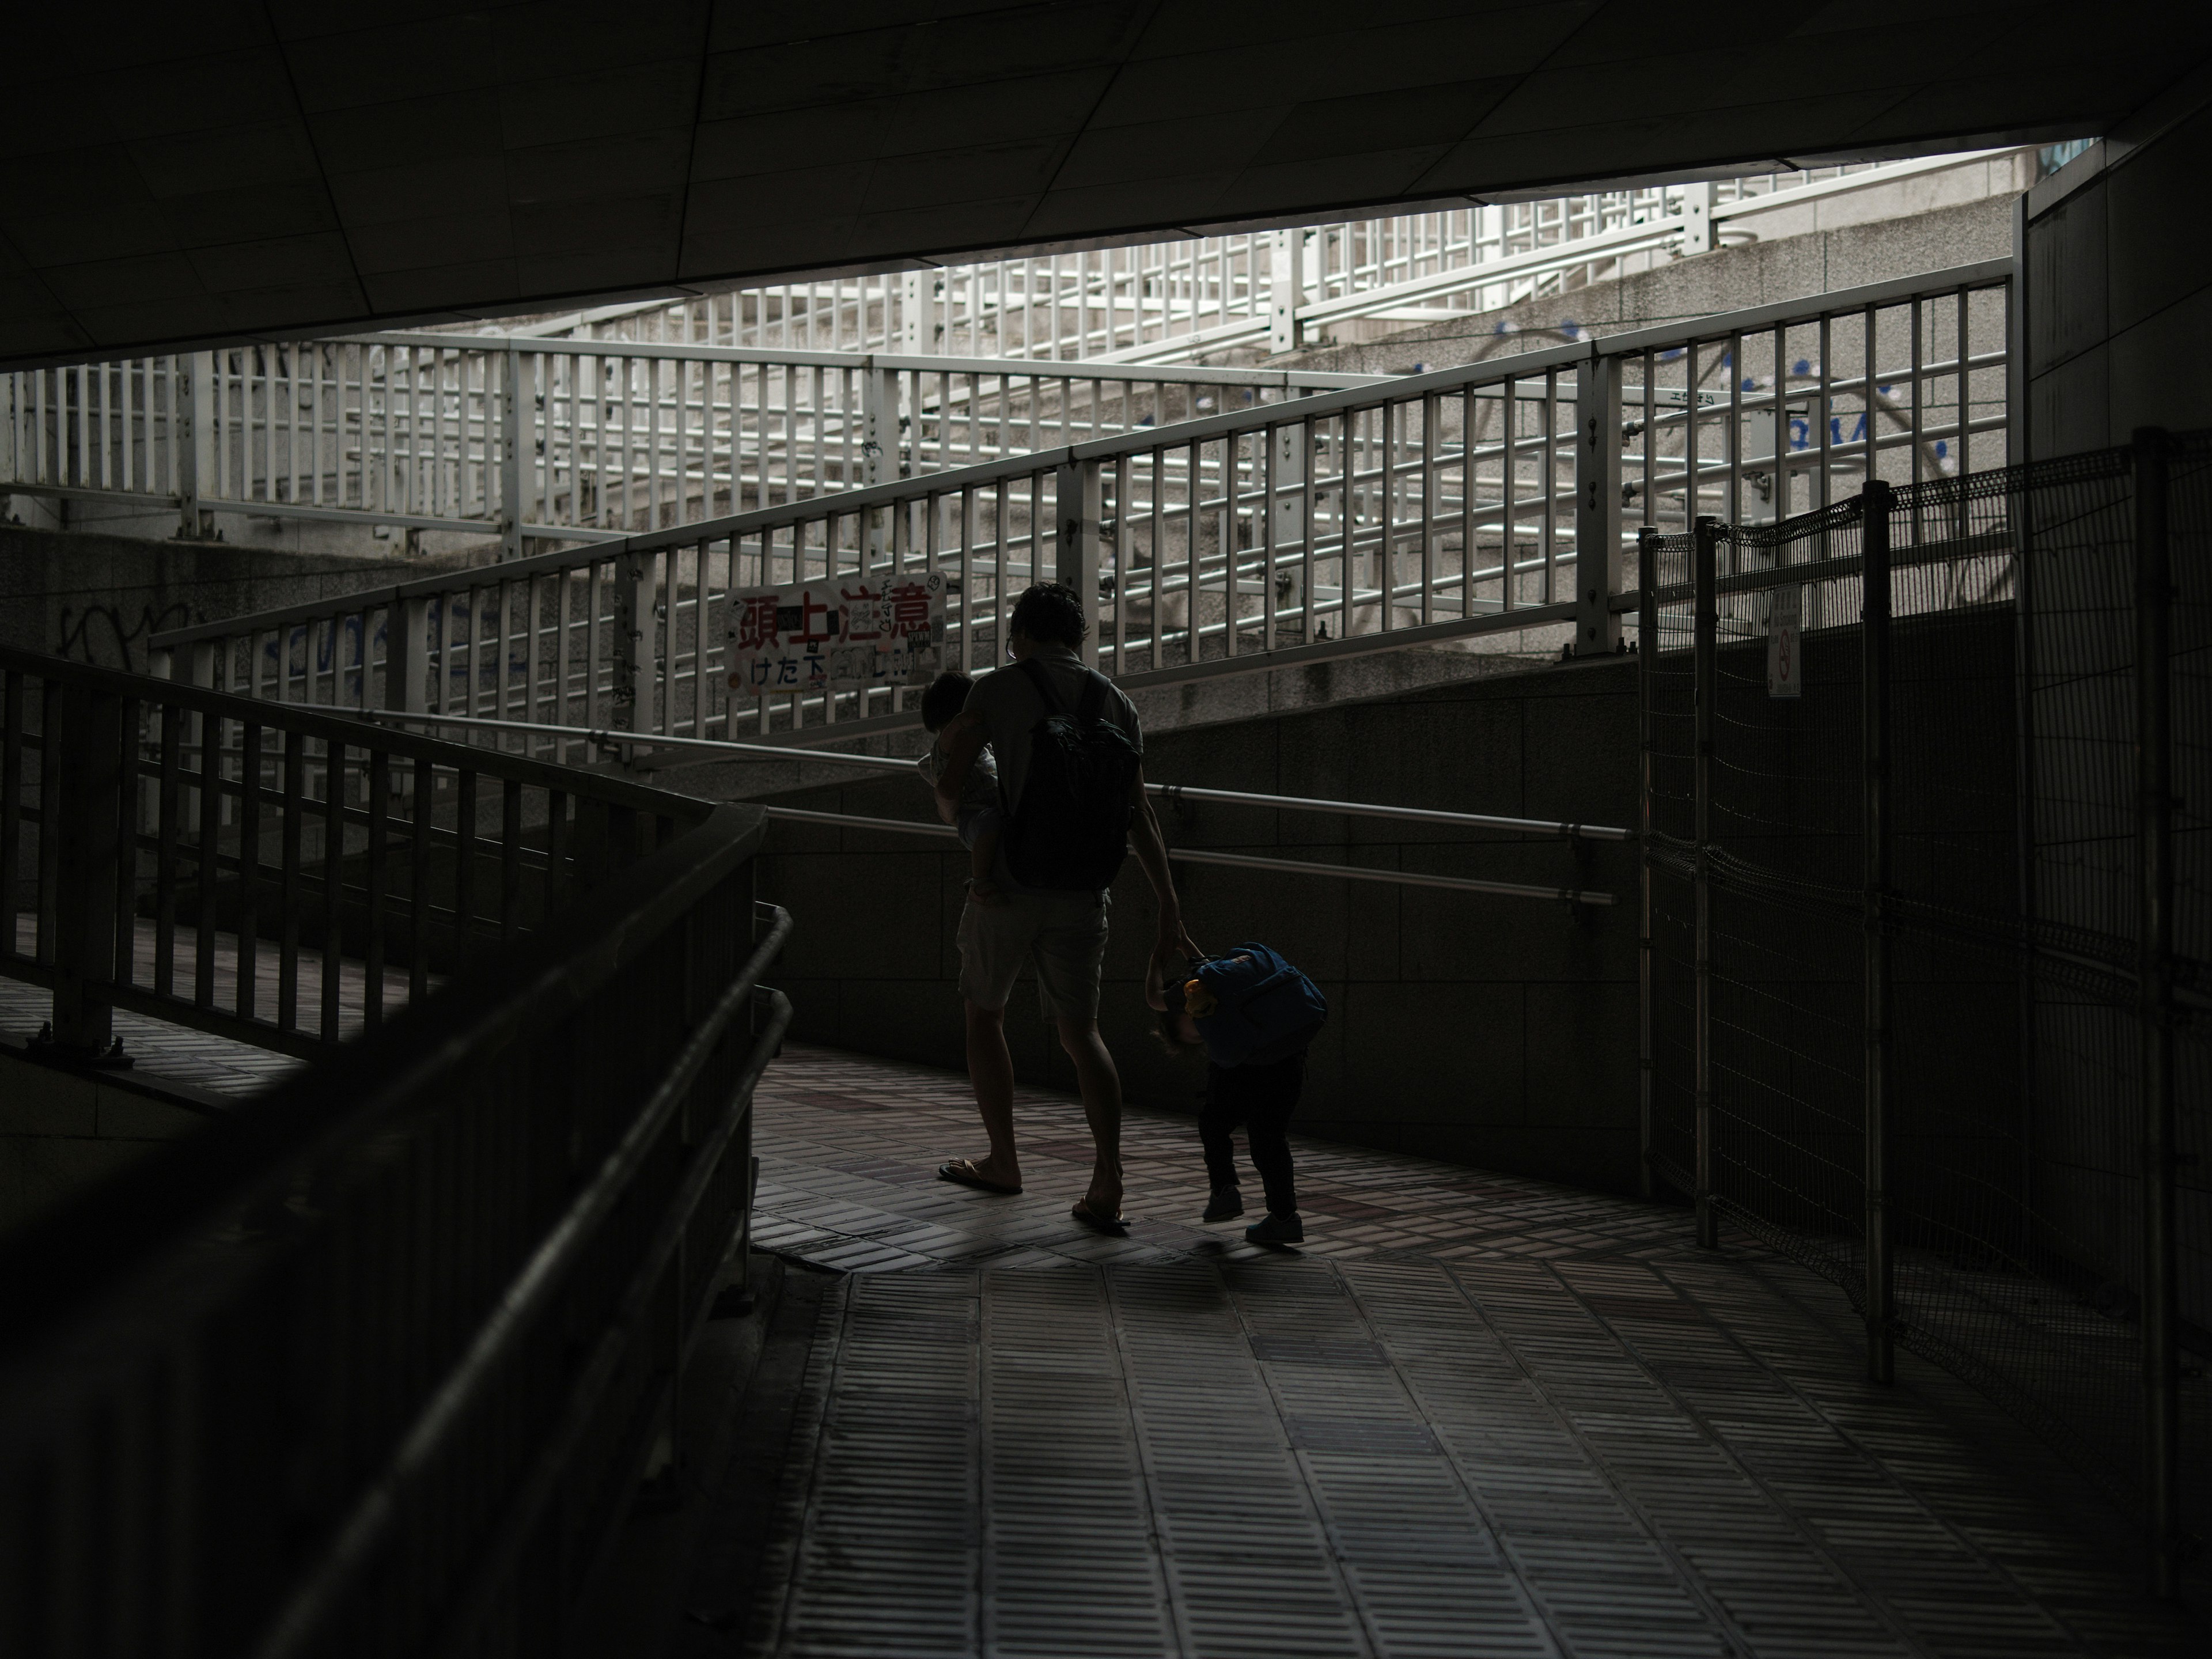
(1905, 1020)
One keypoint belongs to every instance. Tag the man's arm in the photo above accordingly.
(1152, 850)
(962, 741)
(1156, 980)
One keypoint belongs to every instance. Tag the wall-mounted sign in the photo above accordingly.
(837, 633)
(1785, 650)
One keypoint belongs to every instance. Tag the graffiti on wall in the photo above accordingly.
(100, 635)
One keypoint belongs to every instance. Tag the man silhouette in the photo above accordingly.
(1061, 932)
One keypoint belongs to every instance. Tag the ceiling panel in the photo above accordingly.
(180, 174)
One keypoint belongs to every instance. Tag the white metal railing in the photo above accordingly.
(1420, 511)
(599, 424)
(526, 437)
(1269, 291)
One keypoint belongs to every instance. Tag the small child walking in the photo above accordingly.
(1255, 1015)
(977, 820)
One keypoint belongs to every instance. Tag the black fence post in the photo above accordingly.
(86, 829)
(1706, 649)
(1877, 501)
(1647, 653)
(2155, 1008)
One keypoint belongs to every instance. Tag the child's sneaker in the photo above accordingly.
(1226, 1204)
(1277, 1229)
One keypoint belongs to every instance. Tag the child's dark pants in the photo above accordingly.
(1261, 1099)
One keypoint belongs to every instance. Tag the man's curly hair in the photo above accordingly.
(1051, 613)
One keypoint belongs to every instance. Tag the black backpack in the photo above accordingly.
(1071, 832)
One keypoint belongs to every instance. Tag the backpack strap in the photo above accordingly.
(1033, 671)
(1092, 705)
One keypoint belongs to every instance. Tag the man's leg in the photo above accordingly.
(991, 1070)
(994, 941)
(1101, 1109)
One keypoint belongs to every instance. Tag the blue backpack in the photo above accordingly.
(1268, 1009)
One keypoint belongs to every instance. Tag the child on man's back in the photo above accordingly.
(977, 819)
(1255, 1015)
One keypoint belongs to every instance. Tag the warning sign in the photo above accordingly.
(836, 633)
(1785, 659)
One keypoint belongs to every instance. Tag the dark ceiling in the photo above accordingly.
(198, 172)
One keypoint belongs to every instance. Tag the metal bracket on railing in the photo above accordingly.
(763, 1011)
(48, 1050)
(767, 916)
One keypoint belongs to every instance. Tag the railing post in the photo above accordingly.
(632, 711)
(510, 458)
(1698, 233)
(198, 729)
(1076, 496)
(192, 416)
(88, 827)
(1287, 478)
(1597, 505)
(1285, 260)
(879, 415)
(879, 425)
(917, 331)
(1876, 502)
(406, 631)
(1706, 650)
(2154, 1009)
(1647, 652)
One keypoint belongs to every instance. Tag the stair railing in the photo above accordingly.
(388, 1349)
(1427, 511)
(278, 873)
(536, 441)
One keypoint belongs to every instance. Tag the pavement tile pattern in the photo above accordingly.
(1475, 1415)
(180, 1054)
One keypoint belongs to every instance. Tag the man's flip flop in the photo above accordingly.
(1117, 1226)
(962, 1172)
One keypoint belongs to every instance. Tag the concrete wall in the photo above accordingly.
(1485, 1030)
(260, 531)
(96, 598)
(1767, 272)
(2118, 285)
(2118, 335)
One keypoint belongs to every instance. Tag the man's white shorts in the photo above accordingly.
(1063, 934)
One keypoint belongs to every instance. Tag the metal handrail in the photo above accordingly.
(1396, 390)
(168, 836)
(294, 1212)
(1022, 369)
(1337, 524)
(1169, 302)
(1361, 808)
(1238, 860)
(1171, 793)
(515, 434)
(531, 1297)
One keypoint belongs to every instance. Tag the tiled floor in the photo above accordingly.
(176, 1053)
(182, 1054)
(849, 1150)
(1476, 1415)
